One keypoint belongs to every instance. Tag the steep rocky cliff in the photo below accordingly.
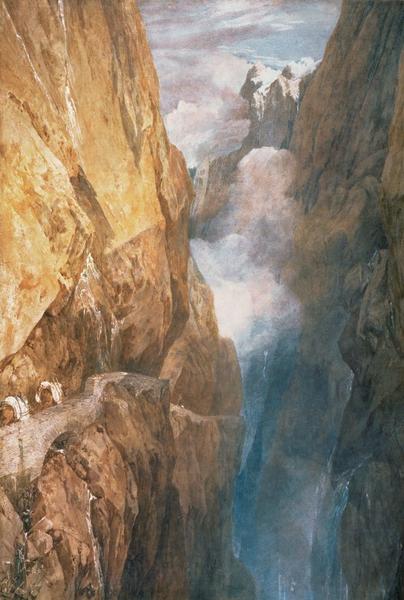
(96, 276)
(130, 499)
(346, 143)
(369, 453)
(343, 266)
(96, 201)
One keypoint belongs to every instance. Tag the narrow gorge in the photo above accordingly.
(310, 205)
(202, 344)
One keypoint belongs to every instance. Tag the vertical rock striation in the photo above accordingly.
(346, 143)
(132, 504)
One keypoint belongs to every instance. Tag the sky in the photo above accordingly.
(203, 50)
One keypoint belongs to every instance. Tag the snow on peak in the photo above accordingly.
(301, 68)
(262, 77)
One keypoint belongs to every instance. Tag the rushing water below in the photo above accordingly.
(203, 51)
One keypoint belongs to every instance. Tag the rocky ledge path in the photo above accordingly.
(24, 444)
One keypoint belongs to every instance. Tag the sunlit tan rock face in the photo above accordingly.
(95, 278)
(53, 204)
(95, 200)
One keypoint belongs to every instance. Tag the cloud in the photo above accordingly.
(212, 117)
(255, 239)
(203, 50)
(202, 130)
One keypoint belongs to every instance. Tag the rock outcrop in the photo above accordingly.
(132, 504)
(95, 279)
(273, 100)
(202, 367)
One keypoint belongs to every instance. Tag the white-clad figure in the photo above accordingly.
(49, 393)
(12, 409)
